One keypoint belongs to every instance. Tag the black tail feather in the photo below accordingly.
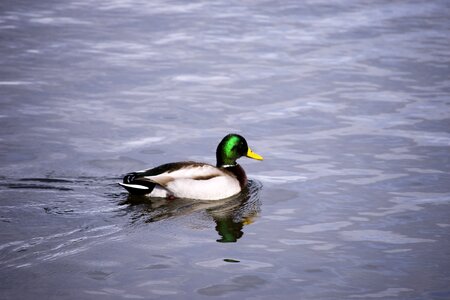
(136, 178)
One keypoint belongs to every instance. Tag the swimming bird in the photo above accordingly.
(196, 180)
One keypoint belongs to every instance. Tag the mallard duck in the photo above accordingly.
(196, 180)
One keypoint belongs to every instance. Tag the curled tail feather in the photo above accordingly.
(133, 185)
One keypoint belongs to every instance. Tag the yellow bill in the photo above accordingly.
(253, 155)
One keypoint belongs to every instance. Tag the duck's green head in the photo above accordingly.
(231, 148)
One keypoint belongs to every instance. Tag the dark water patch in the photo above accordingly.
(36, 187)
(47, 180)
(442, 125)
(442, 294)
(416, 183)
(38, 183)
(156, 267)
(99, 275)
(238, 284)
(230, 260)
(58, 210)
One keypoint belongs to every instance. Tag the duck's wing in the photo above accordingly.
(167, 173)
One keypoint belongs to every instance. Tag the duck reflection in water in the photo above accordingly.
(230, 215)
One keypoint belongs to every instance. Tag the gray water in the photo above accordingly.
(348, 102)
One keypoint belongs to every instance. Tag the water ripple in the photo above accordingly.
(380, 236)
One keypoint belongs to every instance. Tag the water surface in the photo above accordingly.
(348, 102)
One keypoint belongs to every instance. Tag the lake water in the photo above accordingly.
(348, 102)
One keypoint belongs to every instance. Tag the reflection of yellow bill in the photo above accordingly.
(253, 155)
(248, 220)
